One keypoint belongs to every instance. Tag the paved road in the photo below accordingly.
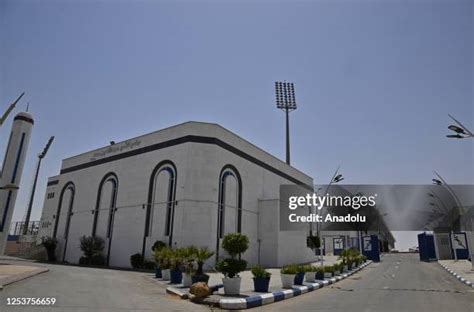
(85, 289)
(399, 283)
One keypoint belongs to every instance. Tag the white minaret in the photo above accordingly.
(12, 170)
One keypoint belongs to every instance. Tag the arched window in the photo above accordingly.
(161, 202)
(229, 202)
(105, 206)
(66, 198)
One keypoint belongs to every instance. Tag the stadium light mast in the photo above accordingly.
(285, 100)
(32, 196)
(10, 108)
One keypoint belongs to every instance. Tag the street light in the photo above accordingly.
(337, 177)
(461, 131)
(285, 100)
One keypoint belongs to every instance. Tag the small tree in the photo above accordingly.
(235, 244)
(92, 247)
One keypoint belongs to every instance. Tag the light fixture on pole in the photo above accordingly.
(9, 109)
(32, 196)
(461, 131)
(285, 100)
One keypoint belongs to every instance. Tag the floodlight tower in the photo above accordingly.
(33, 189)
(285, 100)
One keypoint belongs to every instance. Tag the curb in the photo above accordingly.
(21, 276)
(459, 277)
(263, 299)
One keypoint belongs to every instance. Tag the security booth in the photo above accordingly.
(370, 247)
(459, 246)
(426, 245)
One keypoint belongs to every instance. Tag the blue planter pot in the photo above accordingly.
(299, 278)
(260, 284)
(158, 272)
(320, 276)
(176, 276)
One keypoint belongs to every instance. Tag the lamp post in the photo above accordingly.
(32, 196)
(336, 178)
(285, 100)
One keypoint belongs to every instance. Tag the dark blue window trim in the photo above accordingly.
(18, 156)
(5, 212)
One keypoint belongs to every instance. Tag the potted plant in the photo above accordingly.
(201, 255)
(320, 274)
(50, 244)
(176, 262)
(235, 244)
(261, 279)
(163, 258)
(158, 245)
(287, 274)
(310, 275)
(300, 273)
(189, 257)
(328, 271)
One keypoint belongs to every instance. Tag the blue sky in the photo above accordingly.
(374, 80)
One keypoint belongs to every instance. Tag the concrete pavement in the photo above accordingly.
(399, 283)
(82, 289)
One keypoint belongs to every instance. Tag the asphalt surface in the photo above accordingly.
(81, 289)
(400, 282)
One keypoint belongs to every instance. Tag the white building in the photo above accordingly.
(168, 185)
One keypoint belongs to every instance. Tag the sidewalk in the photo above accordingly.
(461, 269)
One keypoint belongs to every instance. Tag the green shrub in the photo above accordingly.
(136, 260)
(329, 269)
(289, 269)
(231, 267)
(50, 243)
(235, 244)
(158, 245)
(311, 268)
(92, 247)
(260, 272)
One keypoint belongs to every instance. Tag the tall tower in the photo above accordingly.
(12, 170)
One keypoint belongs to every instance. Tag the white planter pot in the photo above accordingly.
(346, 268)
(287, 280)
(231, 285)
(165, 274)
(327, 275)
(187, 280)
(310, 277)
(337, 273)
